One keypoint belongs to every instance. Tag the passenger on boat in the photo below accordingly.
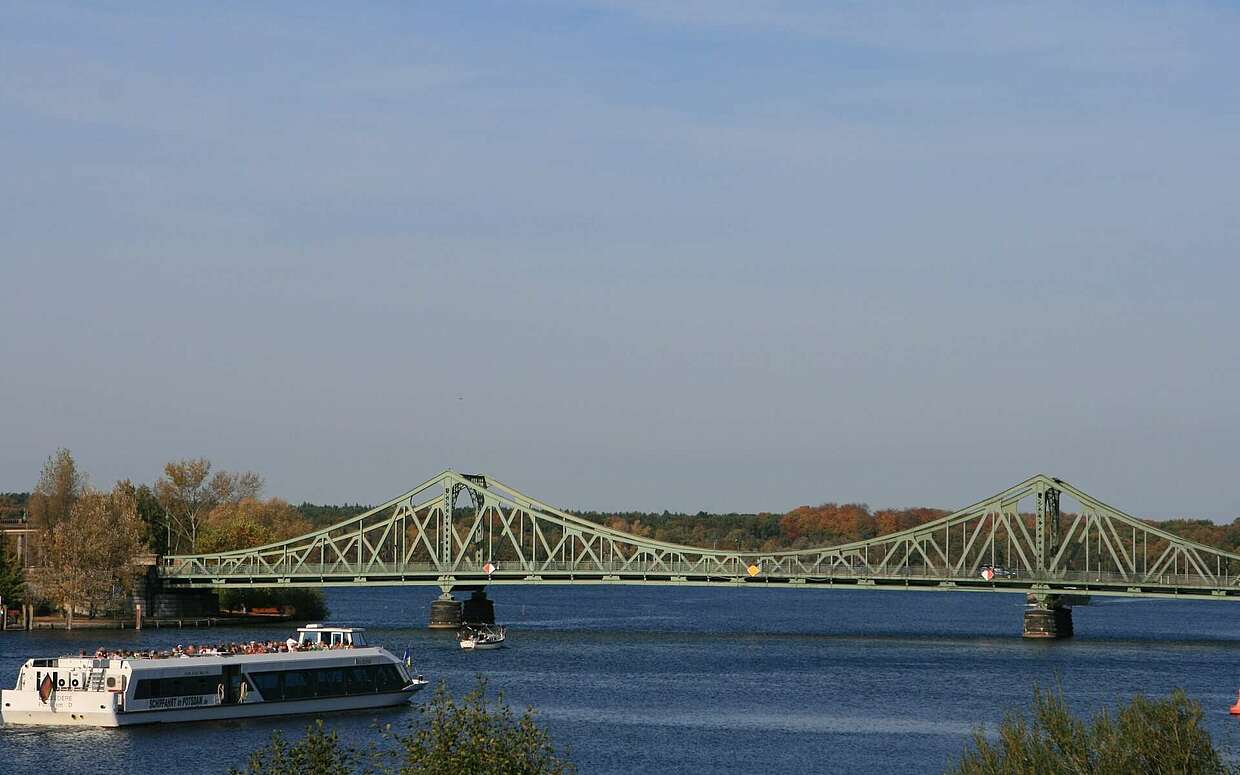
(191, 650)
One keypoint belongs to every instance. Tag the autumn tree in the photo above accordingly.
(88, 556)
(895, 520)
(188, 492)
(60, 485)
(250, 522)
(828, 523)
(253, 522)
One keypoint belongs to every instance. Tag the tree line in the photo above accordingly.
(834, 523)
(87, 551)
(802, 527)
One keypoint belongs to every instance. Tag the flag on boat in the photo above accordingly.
(408, 659)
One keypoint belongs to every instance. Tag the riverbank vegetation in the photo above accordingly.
(478, 735)
(12, 578)
(91, 546)
(86, 559)
(1142, 736)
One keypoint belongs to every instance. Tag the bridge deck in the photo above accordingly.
(1168, 586)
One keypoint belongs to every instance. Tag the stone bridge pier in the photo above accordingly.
(447, 613)
(1047, 616)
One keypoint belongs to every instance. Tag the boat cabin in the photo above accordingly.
(326, 636)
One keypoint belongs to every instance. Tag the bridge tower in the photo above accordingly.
(447, 612)
(1047, 616)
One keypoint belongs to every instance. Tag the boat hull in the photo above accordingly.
(15, 711)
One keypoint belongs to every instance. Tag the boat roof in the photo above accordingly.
(330, 628)
(235, 659)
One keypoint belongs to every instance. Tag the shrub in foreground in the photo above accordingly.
(1143, 736)
(476, 736)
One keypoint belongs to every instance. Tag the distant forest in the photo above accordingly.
(324, 515)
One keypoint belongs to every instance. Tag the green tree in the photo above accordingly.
(1143, 736)
(477, 736)
(320, 752)
(12, 577)
(151, 513)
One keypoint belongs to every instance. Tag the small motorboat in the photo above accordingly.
(480, 637)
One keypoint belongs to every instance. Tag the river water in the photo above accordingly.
(709, 680)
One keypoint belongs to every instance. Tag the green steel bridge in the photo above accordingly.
(462, 531)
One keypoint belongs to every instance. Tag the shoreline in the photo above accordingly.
(184, 622)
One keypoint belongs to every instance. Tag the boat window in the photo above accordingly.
(179, 686)
(298, 684)
(361, 679)
(357, 639)
(308, 636)
(337, 637)
(146, 688)
(389, 678)
(330, 681)
(268, 685)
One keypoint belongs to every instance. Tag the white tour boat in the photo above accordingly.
(324, 669)
(479, 637)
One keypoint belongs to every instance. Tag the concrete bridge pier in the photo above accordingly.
(1047, 617)
(478, 609)
(445, 612)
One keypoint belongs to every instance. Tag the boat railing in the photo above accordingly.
(220, 650)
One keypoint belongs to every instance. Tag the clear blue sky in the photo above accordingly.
(706, 255)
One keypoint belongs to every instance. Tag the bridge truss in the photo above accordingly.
(459, 531)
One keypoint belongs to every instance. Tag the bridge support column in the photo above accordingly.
(445, 612)
(478, 609)
(1048, 617)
